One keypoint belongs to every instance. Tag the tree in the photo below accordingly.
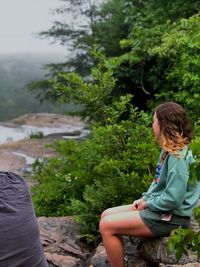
(139, 25)
(140, 72)
(91, 23)
(87, 23)
(180, 47)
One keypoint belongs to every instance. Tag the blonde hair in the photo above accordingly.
(175, 127)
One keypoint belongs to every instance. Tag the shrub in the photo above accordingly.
(112, 167)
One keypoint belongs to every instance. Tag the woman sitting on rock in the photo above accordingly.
(170, 199)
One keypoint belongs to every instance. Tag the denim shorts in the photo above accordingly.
(153, 220)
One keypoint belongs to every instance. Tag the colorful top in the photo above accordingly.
(157, 174)
(171, 191)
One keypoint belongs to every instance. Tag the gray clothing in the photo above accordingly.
(20, 244)
(153, 220)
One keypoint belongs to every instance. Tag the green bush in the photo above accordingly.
(36, 135)
(112, 167)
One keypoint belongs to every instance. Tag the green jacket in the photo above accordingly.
(174, 193)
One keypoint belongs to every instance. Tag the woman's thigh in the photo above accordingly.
(125, 223)
(117, 209)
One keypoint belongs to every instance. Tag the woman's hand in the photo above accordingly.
(139, 204)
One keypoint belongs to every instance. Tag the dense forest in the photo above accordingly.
(16, 72)
(128, 56)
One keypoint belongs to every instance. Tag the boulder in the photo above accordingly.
(155, 251)
(62, 246)
(99, 258)
(59, 236)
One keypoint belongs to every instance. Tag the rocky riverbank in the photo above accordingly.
(12, 152)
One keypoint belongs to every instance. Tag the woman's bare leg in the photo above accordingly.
(117, 209)
(113, 226)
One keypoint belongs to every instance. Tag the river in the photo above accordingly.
(18, 148)
(21, 132)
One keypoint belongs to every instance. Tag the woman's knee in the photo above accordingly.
(105, 225)
(105, 213)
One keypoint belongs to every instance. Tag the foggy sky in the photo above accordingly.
(21, 20)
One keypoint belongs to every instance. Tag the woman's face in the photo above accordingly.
(156, 126)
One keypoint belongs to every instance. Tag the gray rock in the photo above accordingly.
(156, 250)
(59, 236)
(99, 259)
(60, 239)
(193, 264)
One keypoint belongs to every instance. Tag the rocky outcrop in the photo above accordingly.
(156, 251)
(62, 246)
(14, 154)
(59, 236)
(46, 119)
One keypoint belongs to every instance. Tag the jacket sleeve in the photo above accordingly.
(173, 195)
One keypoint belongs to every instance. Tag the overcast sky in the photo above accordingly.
(20, 20)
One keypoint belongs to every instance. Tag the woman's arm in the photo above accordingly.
(173, 195)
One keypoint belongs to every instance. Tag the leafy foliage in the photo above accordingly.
(112, 167)
(94, 94)
(85, 24)
(181, 48)
(128, 30)
(183, 240)
(141, 72)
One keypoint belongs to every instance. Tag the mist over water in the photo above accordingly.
(16, 72)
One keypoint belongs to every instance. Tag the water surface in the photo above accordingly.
(9, 134)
